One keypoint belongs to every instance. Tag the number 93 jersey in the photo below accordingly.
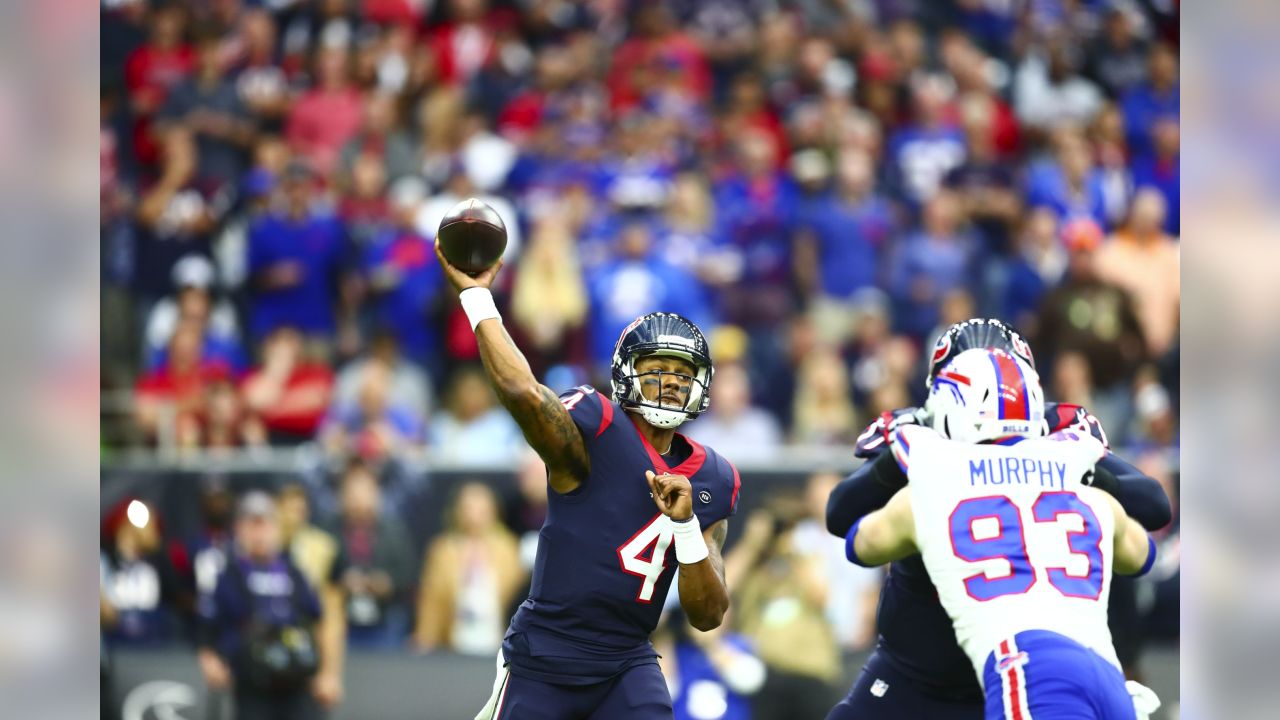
(1011, 536)
(606, 556)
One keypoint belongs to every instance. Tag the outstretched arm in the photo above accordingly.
(885, 535)
(869, 488)
(704, 595)
(1141, 496)
(536, 409)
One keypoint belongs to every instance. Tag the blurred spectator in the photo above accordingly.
(319, 558)
(824, 413)
(193, 302)
(288, 391)
(921, 153)
(1093, 316)
(404, 279)
(379, 568)
(756, 204)
(375, 427)
(260, 81)
(1161, 169)
(470, 573)
(710, 674)
(635, 283)
(985, 184)
(1154, 419)
(409, 385)
(1071, 184)
(225, 422)
(1072, 380)
(294, 261)
(1156, 99)
(1049, 91)
(464, 41)
(1118, 57)
(526, 511)
(209, 107)
(257, 628)
(472, 427)
(1144, 260)
(363, 206)
(200, 556)
(1037, 267)
(549, 297)
(655, 37)
(732, 425)
(169, 401)
(381, 135)
(838, 249)
(935, 260)
(137, 583)
(781, 596)
(152, 71)
(328, 115)
(175, 217)
(853, 592)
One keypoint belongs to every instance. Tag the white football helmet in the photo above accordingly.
(986, 394)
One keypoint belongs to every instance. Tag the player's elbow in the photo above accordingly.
(708, 621)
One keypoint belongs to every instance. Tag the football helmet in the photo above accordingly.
(668, 335)
(986, 394)
(976, 333)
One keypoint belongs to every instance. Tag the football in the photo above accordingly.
(472, 237)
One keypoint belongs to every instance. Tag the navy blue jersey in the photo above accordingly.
(605, 554)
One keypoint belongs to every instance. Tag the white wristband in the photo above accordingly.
(477, 303)
(691, 547)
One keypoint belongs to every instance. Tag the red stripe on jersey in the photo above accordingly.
(737, 483)
(606, 414)
(1012, 676)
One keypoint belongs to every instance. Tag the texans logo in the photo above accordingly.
(1022, 349)
(941, 348)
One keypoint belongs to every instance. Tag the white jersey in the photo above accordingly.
(1011, 538)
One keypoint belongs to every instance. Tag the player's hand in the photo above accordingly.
(460, 280)
(875, 438)
(672, 494)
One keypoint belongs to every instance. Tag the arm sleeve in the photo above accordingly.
(869, 488)
(591, 411)
(1140, 496)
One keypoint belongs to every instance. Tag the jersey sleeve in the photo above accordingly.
(591, 411)
(719, 498)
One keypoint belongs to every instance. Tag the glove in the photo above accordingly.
(875, 439)
(1145, 701)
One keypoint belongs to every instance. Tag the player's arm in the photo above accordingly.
(542, 418)
(866, 490)
(704, 594)
(885, 535)
(1135, 551)
(1142, 497)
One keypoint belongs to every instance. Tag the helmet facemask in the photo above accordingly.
(657, 412)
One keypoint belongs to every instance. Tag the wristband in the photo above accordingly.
(691, 547)
(477, 303)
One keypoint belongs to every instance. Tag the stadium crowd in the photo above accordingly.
(822, 186)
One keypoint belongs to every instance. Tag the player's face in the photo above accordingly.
(665, 380)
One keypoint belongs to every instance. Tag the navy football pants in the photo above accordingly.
(639, 693)
(882, 693)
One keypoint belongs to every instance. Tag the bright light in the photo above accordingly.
(139, 514)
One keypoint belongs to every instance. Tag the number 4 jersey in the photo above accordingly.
(605, 556)
(1011, 537)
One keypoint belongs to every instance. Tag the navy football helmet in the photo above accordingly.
(667, 335)
(977, 333)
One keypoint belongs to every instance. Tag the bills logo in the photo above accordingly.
(1016, 660)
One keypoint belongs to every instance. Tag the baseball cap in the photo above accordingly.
(256, 504)
(192, 271)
